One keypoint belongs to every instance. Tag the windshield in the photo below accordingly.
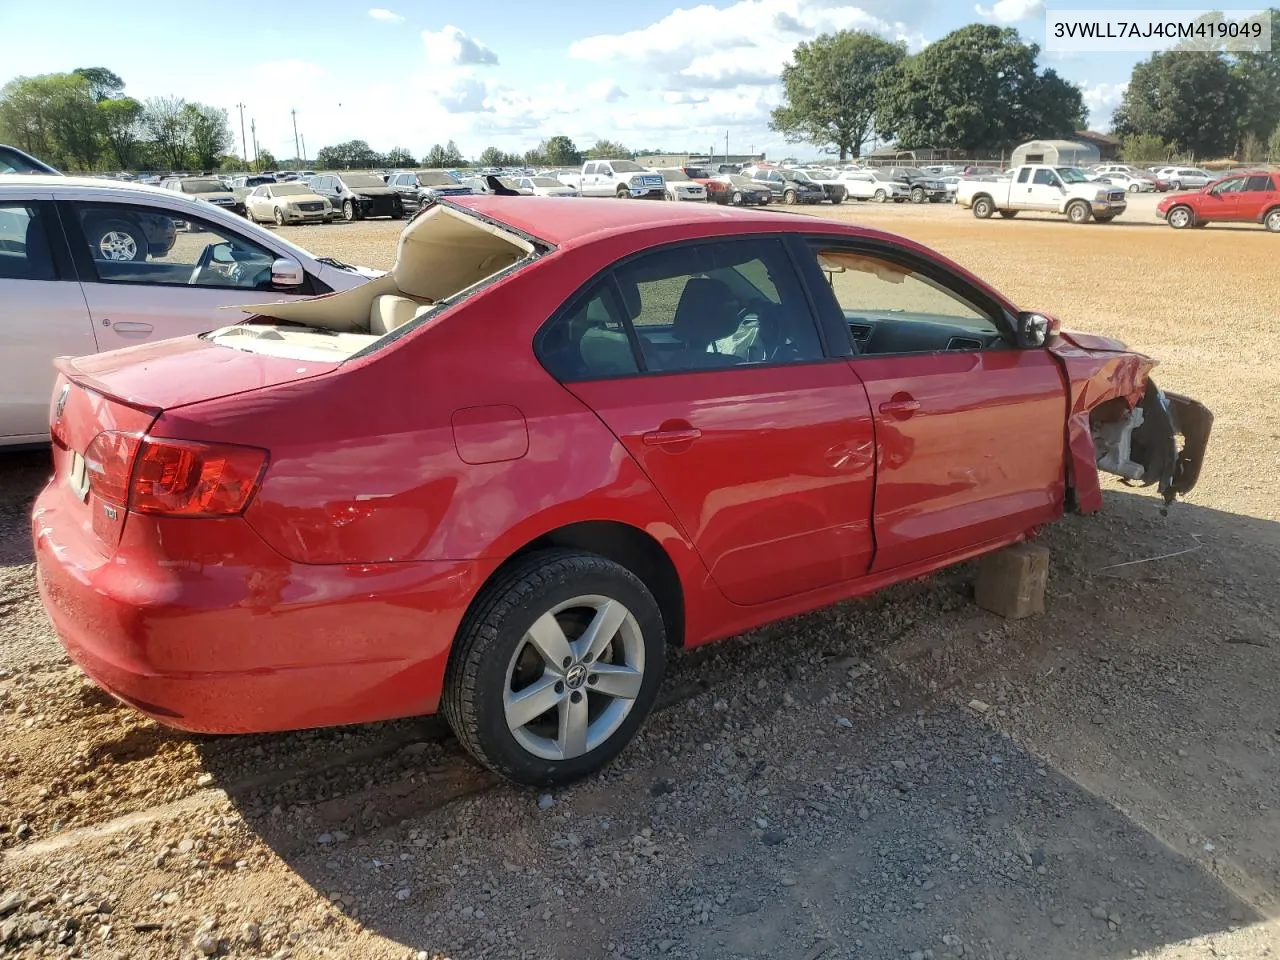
(545, 182)
(203, 186)
(436, 180)
(674, 175)
(1071, 175)
(626, 166)
(289, 190)
(362, 180)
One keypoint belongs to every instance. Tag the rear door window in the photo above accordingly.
(25, 253)
(1259, 183)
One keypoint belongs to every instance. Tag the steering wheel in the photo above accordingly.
(231, 271)
(769, 326)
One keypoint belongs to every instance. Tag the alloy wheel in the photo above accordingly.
(574, 677)
(117, 245)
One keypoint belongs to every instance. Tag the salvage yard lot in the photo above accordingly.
(897, 777)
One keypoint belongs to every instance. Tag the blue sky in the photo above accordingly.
(505, 72)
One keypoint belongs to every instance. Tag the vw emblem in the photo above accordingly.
(575, 677)
(62, 401)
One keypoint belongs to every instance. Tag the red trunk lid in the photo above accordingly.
(126, 390)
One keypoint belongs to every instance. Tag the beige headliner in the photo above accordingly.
(442, 252)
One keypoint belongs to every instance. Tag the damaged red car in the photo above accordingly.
(555, 441)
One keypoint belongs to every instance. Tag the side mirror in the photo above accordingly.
(287, 273)
(1034, 329)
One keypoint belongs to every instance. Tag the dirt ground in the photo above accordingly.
(901, 777)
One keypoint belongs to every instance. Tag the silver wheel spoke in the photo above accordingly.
(548, 638)
(622, 683)
(571, 737)
(604, 626)
(525, 706)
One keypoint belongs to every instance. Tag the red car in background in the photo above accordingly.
(554, 440)
(1252, 197)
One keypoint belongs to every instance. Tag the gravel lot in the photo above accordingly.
(901, 777)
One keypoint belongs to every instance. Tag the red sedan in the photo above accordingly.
(556, 439)
(1243, 198)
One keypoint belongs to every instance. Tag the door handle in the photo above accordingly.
(900, 406)
(667, 436)
(127, 327)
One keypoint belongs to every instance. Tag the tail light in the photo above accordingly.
(173, 478)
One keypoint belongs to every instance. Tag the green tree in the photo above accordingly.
(1258, 74)
(266, 162)
(452, 155)
(208, 133)
(978, 89)
(560, 151)
(436, 157)
(52, 116)
(345, 156)
(494, 157)
(120, 124)
(400, 157)
(1191, 100)
(830, 89)
(1144, 148)
(103, 83)
(1273, 146)
(166, 125)
(608, 150)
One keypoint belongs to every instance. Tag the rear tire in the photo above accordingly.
(348, 211)
(118, 240)
(1078, 211)
(526, 643)
(983, 208)
(1272, 220)
(790, 197)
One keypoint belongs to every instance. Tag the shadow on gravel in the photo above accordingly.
(22, 474)
(777, 832)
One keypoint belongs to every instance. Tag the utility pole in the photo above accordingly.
(253, 129)
(244, 144)
(296, 153)
(303, 158)
(726, 146)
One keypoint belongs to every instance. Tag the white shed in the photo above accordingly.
(1056, 153)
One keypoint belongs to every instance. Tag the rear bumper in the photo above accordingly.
(254, 643)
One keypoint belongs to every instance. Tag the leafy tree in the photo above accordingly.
(344, 156)
(978, 89)
(1258, 73)
(208, 133)
(1191, 100)
(452, 155)
(165, 123)
(1253, 149)
(1273, 146)
(266, 162)
(437, 156)
(531, 158)
(400, 157)
(830, 90)
(560, 151)
(120, 123)
(493, 157)
(103, 83)
(52, 116)
(608, 150)
(1144, 148)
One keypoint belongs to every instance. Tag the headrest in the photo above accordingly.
(390, 311)
(707, 311)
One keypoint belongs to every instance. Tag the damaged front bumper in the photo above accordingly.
(1140, 445)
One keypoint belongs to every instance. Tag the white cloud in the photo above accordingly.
(744, 44)
(1011, 11)
(1102, 100)
(450, 47)
(385, 15)
(606, 90)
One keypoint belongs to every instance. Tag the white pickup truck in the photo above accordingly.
(618, 178)
(1063, 190)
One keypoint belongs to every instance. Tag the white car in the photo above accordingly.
(544, 187)
(681, 186)
(1183, 177)
(88, 265)
(287, 203)
(874, 185)
(1131, 182)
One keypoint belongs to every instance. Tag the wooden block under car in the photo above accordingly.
(1011, 582)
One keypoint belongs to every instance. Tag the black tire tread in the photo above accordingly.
(478, 634)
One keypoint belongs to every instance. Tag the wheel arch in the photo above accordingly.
(626, 545)
(1268, 212)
